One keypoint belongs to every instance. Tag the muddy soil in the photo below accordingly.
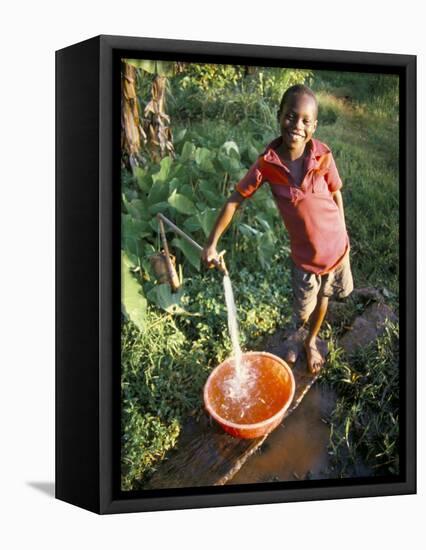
(298, 448)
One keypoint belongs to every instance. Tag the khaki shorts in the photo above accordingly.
(308, 286)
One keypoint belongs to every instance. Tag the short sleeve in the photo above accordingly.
(251, 181)
(332, 176)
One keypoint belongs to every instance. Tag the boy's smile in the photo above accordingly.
(298, 121)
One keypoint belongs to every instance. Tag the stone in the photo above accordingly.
(367, 327)
(367, 294)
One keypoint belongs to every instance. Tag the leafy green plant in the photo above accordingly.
(134, 303)
(184, 191)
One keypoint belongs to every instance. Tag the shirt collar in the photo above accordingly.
(316, 150)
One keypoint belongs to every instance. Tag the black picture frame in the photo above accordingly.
(88, 273)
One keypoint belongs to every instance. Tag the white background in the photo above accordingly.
(30, 32)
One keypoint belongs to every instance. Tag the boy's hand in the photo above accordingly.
(210, 256)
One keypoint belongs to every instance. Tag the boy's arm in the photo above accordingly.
(338, 199)
(223, 220)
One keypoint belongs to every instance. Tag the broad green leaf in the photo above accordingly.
(187, 190)
(126, 178)
(125, 203)
(131, 227)
(143, 179)
(230, 148)
(133, 301)
(178, 170)
(131, 194)
(203, 158)
(154, 224)
(212, 196)
(207, 220)
(161, 206)
(163, 297)
(239, 174)
(265, 248)
(190, 253)
(178, 136)
(229, 164)
(164, 173)
(214, 200)
(252, 153)
(181, 203)
(188, 152)
(174, 185)
(137, 208)
(159, 192)
(192, 224)
(133, 257)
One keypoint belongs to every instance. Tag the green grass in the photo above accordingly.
(165, 366)
(364, 424)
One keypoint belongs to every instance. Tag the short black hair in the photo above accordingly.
(297, 89)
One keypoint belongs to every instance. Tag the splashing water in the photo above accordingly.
(238, 385)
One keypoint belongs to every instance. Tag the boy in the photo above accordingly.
(306, 187)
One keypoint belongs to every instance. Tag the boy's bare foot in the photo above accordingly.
(313, 356)
(293, 345)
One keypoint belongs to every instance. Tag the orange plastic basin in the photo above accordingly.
(255, 406)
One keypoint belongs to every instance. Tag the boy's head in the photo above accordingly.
(297, 115)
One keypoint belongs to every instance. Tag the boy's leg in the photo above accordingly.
(305, 290)
(338, 283)
(314, 358)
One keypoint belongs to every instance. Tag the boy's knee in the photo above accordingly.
(301, 315)
(347, 289)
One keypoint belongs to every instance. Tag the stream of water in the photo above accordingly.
(237, 386)
(233, 323)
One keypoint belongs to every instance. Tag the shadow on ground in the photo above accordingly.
(46, 487)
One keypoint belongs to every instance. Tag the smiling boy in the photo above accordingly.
(306, 187)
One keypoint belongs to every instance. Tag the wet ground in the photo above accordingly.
(298, 448)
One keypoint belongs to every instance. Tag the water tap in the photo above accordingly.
(220, 263)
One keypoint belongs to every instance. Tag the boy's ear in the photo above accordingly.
(315, 126)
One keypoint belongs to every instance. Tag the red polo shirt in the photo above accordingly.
(317, 234)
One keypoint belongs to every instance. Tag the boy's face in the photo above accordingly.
(298, 120)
